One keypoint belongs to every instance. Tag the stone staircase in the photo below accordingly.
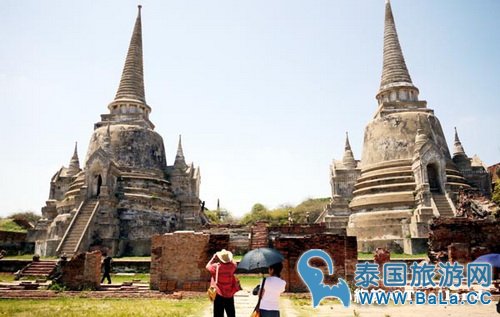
(77, 228)
(442, 205)
(38, 268)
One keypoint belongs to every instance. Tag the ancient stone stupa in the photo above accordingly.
(406, 174)
(125, 192)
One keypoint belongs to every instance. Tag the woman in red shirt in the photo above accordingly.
(221, 265)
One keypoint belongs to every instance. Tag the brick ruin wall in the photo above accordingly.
(238, 236)
(342, 250)
(15, 242)
(292, 241)
(178, 259)
(259, 235)
(296, 229)
(463, 239)
(83, 271)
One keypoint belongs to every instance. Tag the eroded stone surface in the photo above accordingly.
(125, 192)
(406, 174)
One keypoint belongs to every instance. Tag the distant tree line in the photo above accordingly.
(305, 212)
(19, 221)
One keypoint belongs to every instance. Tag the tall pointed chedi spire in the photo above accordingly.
(394, 69)
(395, 74)
(347, 146)
(458, 149)
(179, 157)
(74, 163)
(348, 158)
(130, 101)
(132, 80)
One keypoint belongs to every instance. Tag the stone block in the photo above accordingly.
(82, 271)
(415, 245)
(178, 259)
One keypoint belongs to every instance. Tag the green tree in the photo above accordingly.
(258, 212)
(212, 216)
(29, 216)
(496, 193)
(279, 216)
(220, 216)
(313, 206)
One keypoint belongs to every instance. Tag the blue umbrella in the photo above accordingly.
(492, 258)
(260, 258)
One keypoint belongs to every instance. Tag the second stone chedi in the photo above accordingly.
(406, 174)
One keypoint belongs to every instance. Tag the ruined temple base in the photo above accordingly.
(379, 229)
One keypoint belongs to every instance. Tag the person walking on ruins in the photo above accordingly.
(269, 294)
(221, 265)
(106, 264)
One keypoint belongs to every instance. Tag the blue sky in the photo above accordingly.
(261, 91)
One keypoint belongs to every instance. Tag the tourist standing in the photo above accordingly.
(106, 264)
(273, 287)
(222, 268)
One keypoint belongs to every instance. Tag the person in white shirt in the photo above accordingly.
(273, 287)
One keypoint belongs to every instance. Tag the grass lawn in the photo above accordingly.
(6, 277)
(28, 257)
(115, 278)
(70, 307)
(120, 278)
(249, 281)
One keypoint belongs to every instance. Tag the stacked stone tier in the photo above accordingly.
(140, 190)
(74, 188)
(388, 185)
(455, 179)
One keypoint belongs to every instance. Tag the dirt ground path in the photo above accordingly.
(245, 302)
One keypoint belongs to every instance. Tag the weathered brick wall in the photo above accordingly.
(15, 243)
(298, 229)
(351, 256)
(178, 259)
(82, 271)
(342, 249)
(239, 242)
(459, 252)
(259, 235)
(12, 237)
(216, 243)
(477, 234)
